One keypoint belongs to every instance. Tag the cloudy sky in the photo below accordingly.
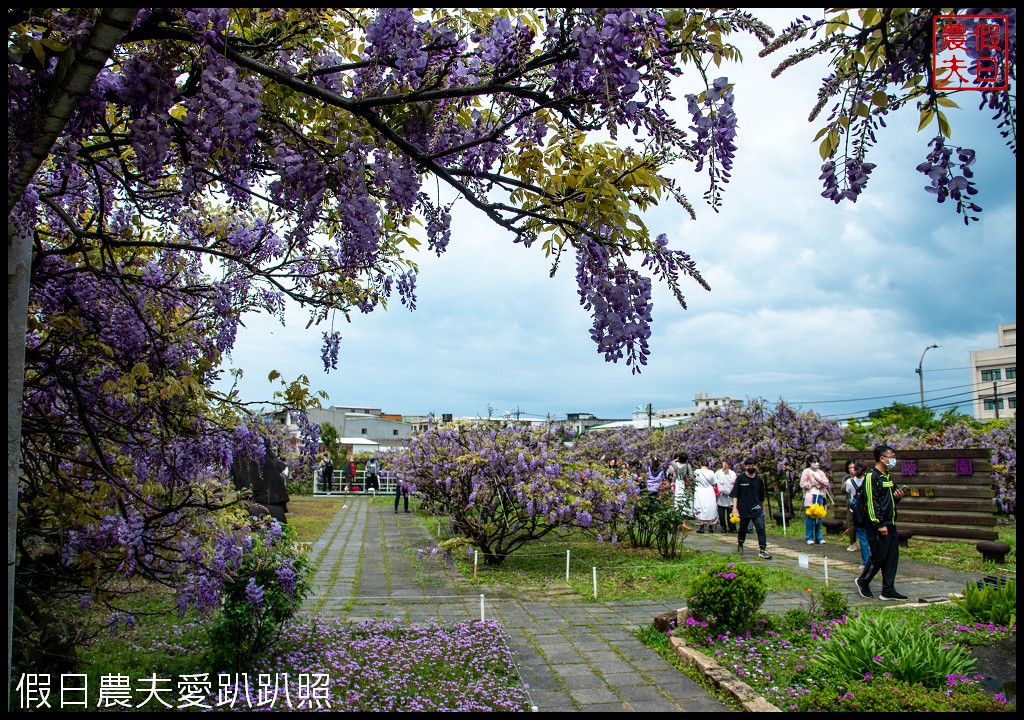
(825, 306)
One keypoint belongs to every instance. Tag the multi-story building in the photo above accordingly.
(994, 377)
(701, 401)
(650, 417)
(359, 428)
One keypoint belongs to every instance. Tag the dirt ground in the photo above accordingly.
(998, 663)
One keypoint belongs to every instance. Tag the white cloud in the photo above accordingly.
(810, 301)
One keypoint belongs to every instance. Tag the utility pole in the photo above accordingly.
(920, 372)
(649, 413)
(995, 397)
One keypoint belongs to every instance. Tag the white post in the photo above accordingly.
(481, 607)
(782, 509)
(826, 570)
(476, 557)
(595, 582)
(567, 566)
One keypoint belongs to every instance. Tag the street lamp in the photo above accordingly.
(920, 372)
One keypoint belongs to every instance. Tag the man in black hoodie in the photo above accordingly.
(880, 498)
(748, 502)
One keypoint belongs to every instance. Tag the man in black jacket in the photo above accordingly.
(880, 498)
(748, 502)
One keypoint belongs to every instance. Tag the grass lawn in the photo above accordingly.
(623, 572)
(959, 555)
(310, 515)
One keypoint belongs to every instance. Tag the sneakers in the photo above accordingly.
(810, 542)
(764, 555)
(864, 591)
(821, 542)
(739, 549)
(892, 595)
(852, 548)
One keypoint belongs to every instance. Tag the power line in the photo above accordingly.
(864, 399)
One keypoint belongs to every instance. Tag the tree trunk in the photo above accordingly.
(75, 74)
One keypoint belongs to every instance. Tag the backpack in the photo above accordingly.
(858, 508)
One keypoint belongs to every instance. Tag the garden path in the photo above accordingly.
(575, 656)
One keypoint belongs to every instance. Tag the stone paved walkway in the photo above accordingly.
(575, 656)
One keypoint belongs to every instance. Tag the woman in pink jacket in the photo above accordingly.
(815, 483)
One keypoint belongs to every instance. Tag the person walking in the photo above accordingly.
(858, 515)
(327, 474)
(705, 504)
(815, 484)
(371, 471)
(850, 531)
(880, 498)
(401, 491)
(680, 474)
(725, 478)
(350, 474)
(748, 503)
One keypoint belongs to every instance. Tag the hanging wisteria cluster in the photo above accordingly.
(884, 59)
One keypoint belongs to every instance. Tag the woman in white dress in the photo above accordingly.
(705, 503)
(725, 479)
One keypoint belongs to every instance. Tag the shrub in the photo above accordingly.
(889, 695)
(728, 596)
(990, 604)
(834, 604)
(873, 647)
(261, 594)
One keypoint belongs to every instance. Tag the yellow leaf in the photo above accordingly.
(944, 125)
(945, 101)
(880, 99)
(38, 51)
(926, 117)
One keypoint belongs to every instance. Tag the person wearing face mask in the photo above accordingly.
(880, 498)
(748, 502)
(815, 484)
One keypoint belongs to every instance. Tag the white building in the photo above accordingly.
(701, 401)
(649, 417)
(994, 377)
(359, 428)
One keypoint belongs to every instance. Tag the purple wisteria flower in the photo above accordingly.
(254, 593)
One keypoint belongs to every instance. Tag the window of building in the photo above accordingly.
(1013, 402)
(1011, 373)
(363, 431)
(990, 405)
(990, 375)
(394, 432)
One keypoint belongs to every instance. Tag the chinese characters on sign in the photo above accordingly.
(969, 52)
(908, 468)
(306, 690)
(962, 466)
